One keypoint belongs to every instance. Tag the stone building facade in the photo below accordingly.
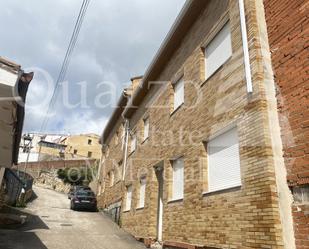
(195, 155)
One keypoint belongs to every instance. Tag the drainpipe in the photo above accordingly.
(127, 129)
(245, 45)
(99, 175)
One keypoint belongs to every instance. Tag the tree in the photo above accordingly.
(75, 176)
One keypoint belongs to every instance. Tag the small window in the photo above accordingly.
(89, 141)
(75, 152)
(89, 154)
(146, 128)
(133, 143)
(179, 89)
(223, 161)
(218, 50)
(116, 137)
(119, 171)
(123, 136)
(142, 192)
(128, 198)
(178, 179)
(111, 178)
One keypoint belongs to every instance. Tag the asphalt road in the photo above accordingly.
(54, 226)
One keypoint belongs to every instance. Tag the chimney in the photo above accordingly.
(135, 82)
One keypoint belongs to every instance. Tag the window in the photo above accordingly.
(75, 152)
(146, 128)
(116, 137)
(89, 141)
(133, 143)
(223, 161)
(123, 136)
(111, 178)
(119, 171)
(178, 179)
(179, 93)
(142, 191)
(89, 154)
(128, 198)
(218, 50)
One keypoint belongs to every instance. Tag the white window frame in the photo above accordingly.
(142, 193)
(146, 128)
(128, 203)
(179, 93)
(221, 173)
(178, 179)
(218, 50)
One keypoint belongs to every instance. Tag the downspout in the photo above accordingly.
(99, 174)
(127, 129)
(245, 45)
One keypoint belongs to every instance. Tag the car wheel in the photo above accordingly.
(72, 206)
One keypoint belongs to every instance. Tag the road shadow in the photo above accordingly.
(14, 240)
(31, 221)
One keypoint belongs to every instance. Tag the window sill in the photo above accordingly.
(126, 211)
(216, 71)
(222, 191)
(175, 200)
(140, 208)
(174, 111)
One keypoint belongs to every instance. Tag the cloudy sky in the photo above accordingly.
(117, 41)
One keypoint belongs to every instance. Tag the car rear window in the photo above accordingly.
(85, 193)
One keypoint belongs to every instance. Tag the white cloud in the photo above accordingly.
(117, 41)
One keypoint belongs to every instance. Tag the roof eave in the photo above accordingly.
(183, 22)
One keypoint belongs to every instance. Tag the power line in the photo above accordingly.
(67, 59)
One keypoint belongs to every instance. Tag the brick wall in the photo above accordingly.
(288, 29)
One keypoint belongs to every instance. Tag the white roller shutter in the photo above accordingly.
(178, 178)
(129, 198)
(224, 162)
(146, 128)
(142, 193)
(133, 143)
(179, 89)
(218, 50)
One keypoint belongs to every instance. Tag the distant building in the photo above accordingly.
(46, 147)
(82, 146)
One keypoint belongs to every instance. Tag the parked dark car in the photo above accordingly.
(73, 189)
(84, 199)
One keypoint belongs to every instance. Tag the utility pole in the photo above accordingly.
(27, 148)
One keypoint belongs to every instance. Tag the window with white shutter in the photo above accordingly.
(111, 178)
(142, 192)
(128, 198)
(179, 91)
(146, 128)
(218, 50)
(178, 179)
(133, 143)
(223, 161)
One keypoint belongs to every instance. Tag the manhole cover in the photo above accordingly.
(66, 225)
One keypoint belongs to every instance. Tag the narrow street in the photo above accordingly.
(55, 226)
